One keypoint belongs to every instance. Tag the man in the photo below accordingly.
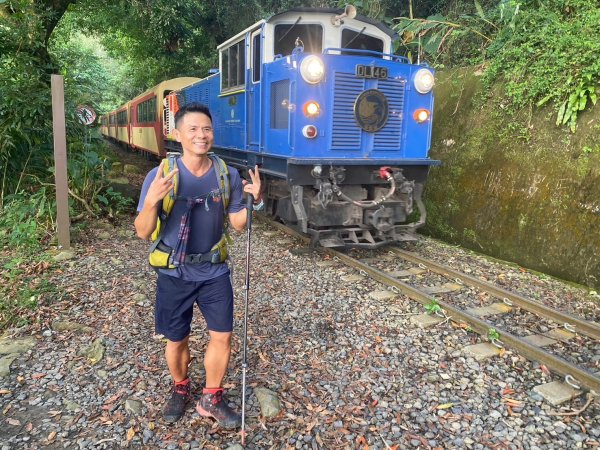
(194, 225)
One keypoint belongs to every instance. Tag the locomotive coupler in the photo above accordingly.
(382, 219)
(325, 195)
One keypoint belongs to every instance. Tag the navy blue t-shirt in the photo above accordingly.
(206, 221)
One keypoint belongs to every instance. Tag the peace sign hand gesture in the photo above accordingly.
(254, 187)
(161, 185)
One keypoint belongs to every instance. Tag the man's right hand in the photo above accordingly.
(161, 185)
(145, 222)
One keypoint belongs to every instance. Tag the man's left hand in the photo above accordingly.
(254, 187)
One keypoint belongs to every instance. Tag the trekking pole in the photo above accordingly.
(245, 343)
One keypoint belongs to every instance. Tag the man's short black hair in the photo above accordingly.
(191, 108)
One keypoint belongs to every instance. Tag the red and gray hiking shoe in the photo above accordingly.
(175, 406)
(211, 404)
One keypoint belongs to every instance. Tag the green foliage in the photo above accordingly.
(23, 288)
(32, 48)
(91, 76)
(156, 39)
(577, 101)
(550, 57)
(114, 202)
(433, 307)
(543, 52)
(493, 335)
(26, 218)
(450, 37)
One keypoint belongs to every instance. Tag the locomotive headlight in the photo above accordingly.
(311, 109)
(421, 115)
(424, 81)
(312, 69)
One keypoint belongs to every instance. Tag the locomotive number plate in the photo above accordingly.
(371, 71)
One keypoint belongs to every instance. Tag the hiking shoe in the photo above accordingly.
(211, 404)
(175, 406)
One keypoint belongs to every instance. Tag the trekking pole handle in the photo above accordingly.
(249, 209)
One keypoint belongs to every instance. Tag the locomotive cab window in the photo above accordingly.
(358, 40)
(233, 65)
(311, 35)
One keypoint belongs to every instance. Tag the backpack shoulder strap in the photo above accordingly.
(223, 177)
(170, 163)
(169, 166)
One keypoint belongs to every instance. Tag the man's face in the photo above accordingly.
(195, 133)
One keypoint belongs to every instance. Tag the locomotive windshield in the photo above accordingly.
(352, 39)
(311, 36)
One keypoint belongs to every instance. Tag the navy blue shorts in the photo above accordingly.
(175, 299)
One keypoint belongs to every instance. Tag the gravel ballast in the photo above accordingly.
(349, 370)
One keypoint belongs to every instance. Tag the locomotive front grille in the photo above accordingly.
(346, 134)
(389, 137)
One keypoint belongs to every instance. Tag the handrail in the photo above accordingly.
(391, 56)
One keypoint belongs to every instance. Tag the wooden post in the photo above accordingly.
(60, 162)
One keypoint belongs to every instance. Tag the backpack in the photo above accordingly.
(160, 255)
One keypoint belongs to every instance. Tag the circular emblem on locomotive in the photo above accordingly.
(371, 110)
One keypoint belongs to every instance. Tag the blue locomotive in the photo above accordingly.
(339, 126)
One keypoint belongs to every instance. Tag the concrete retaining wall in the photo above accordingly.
(515, 186)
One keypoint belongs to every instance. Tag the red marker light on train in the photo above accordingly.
(311, 109)
(309, 131)
(421, 115)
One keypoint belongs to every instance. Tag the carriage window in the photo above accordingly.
(256, 59)
(122, 117)
(286, 35)
(146, 111)
(360, 41)
(233, 65)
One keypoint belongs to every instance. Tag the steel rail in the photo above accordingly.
(531, 352)
(581, 326)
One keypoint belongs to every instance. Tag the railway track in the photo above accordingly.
(569, 325)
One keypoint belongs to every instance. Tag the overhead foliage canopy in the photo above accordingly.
(543, 52)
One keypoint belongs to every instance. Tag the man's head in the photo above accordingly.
(193, 129)
(191, 108)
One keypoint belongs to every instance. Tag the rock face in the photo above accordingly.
(517, 188)
(269, 403)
